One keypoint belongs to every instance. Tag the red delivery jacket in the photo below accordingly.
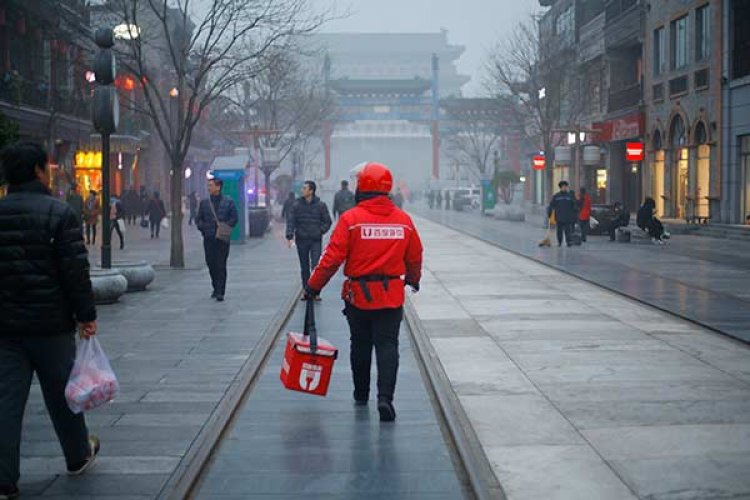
(585, 213)
(382, 250)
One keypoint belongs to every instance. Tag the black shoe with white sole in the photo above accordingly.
(9, 492)
(81, 467)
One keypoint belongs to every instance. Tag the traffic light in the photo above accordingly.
(106, 106)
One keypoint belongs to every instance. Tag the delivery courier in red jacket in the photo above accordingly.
(382, 253)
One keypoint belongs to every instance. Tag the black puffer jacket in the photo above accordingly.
(308, 221)
(44, 268)
(226, 213)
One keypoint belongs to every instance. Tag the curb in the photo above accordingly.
(482, 479)
(185, 477)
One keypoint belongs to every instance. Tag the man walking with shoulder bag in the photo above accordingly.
(216, 217)
(45, 295)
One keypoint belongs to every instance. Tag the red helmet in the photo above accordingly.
(374, 178)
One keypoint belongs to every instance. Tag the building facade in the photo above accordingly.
(735, 117)
(683, 101)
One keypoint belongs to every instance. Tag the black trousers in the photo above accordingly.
(114, 226)
(51, 358)
(217, 253)
(155, 227)
(379, 329)
(91, 233)
(309, 255)
(565, 228)
(585, 226)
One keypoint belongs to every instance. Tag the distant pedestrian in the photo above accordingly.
(215, 211)
(45, 293)
(620, 218)
(343, 201)
(447, 200)
(381, 252)
(584, 213)
(563, 205)
(156, 212)
(144, 199)
(308, 221)
(193, 207)
(431, 199)
(115, 216)
(647, 221)
(75, 200)
(288, 203)
(398, 198)
(439, 199)
(91, 212)
(131, 206)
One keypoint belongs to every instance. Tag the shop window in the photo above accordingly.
(682, 182)
(702, 187)
(740, 38)
(660, 51)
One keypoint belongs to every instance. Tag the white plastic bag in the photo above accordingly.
(594, 223)
(121, 225)
(165, 223)
(92, 381)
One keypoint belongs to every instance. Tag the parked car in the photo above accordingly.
(466, 198)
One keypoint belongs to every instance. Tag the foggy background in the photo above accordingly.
(475, 24)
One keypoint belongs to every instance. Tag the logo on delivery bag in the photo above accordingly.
(309, 376)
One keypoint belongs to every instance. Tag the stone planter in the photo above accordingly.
(139, 274)
(109, 285)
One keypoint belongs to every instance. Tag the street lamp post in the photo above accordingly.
(270, 162)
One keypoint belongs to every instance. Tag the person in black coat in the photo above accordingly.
(156, 211)
(564, 206)
(288, 203)
(621, 218)
(45, 295)
(306, 224)
(647, 221)
(222, 209)
(344, 200)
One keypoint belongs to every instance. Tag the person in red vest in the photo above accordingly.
(584, 213)
(383, 255)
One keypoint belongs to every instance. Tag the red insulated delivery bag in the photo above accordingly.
(308, 361)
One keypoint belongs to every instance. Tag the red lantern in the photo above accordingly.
(539, 162)
(634, 151)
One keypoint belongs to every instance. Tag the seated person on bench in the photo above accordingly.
(647, 221)
(621, 219)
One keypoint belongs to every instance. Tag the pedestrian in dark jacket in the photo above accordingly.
(288, 203)
(156, 211)
(130, 206)
(647, 221)
(308, 221)
(75, 201)
(563, 204)
(45, 294)
(343, 201)
(91, 210)
(217, 208)
(621, 218)
(115, 216)
(193, 205)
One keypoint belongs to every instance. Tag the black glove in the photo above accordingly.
(311, 292)
(415, 286)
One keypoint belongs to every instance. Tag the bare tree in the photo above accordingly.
(188, 54)
(534, 68)
(475, 132)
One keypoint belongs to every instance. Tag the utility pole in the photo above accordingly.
(106, 116)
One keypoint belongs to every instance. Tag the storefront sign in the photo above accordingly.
(619, 129)
(634, 151)
(539, 162)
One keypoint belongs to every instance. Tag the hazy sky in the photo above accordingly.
(475, 24)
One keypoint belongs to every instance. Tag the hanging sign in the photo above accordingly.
(539, 162)
(634, 151)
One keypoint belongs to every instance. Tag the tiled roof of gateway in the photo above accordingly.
(389, 42)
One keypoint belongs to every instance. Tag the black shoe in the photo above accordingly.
(360, 402)
(213, 295)
(81, 467)
(220, 298)
(386, 410)
(8, 492)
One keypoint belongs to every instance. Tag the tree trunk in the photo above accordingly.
(177, 252)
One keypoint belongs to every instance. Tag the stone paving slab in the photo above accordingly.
(175, 352)
(619, 401)
(702, 279)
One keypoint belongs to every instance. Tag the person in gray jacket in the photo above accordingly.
(307, 222)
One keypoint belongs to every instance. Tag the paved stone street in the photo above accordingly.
(702, 279)
(175, 352)
(576, 392)
(573, 391)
